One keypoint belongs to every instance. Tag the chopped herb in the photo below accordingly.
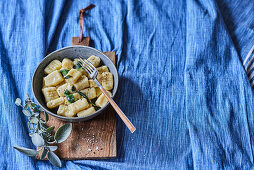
(79, 69)
(85, 96)
(73, 88)
(96, 107)
(64, 72)
(78, 65)
(66, 92)
(69, 96)
(67, 77)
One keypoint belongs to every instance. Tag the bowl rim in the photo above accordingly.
(73, 119)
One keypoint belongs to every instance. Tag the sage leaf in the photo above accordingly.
(85, 96)
(26, 106)
(67, 77)
(35, 110)
(33, 104)
(34, 120)
(78, 65)
(46, 116)
(26, 112)
(37, 139)
(26, 151)
(64, 72)
(70, 98)
(73, 88)
(18, 102)
(35, 114)
(51, 139)
(63, 132)
(39, 127)
(40, 133)
(66, 92)
(53, 158)
(44, 153)
(44, 125)
(50, 129)
(52, 148)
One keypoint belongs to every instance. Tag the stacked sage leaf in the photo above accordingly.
(41, 134)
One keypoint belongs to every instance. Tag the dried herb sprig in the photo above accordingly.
(41, 134)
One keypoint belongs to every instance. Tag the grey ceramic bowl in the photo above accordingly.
(71, 52)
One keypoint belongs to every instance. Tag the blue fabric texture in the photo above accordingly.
(182, 80)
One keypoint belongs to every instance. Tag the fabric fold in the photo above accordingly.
(217, 92)
(182, 82)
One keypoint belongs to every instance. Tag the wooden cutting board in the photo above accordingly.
(92, 139)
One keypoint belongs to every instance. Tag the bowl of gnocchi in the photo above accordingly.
(64, 89)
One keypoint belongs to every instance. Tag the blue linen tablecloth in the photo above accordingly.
(182, 80)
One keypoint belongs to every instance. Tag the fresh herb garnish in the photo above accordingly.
(78, 65)
(67, 77)
(66, 92)
(69, 96)
(41, 134)
(73, 89)
(64, 72)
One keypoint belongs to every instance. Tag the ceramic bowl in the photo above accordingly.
(71, 52)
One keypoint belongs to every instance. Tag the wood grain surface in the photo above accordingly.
(85, 41)
(92, 139)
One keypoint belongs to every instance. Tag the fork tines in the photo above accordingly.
(87, 65)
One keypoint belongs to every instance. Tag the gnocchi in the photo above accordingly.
(79, 105)
(49, 93)
(62, 110)
(74, 75)
(107, 80)
(54, 65)
(89, 92)
(55, 103)
(92, 83)
(53, 78)
(102, 69)
(102, 100)
(67, 64)
(61, 89)
(94, 60)
(98, 91)
(76, 97)
(69, 89)
(86, 112)
(82, 83)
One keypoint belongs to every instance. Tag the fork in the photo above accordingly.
(93, 72)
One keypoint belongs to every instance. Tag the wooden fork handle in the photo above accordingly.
(119, 111)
